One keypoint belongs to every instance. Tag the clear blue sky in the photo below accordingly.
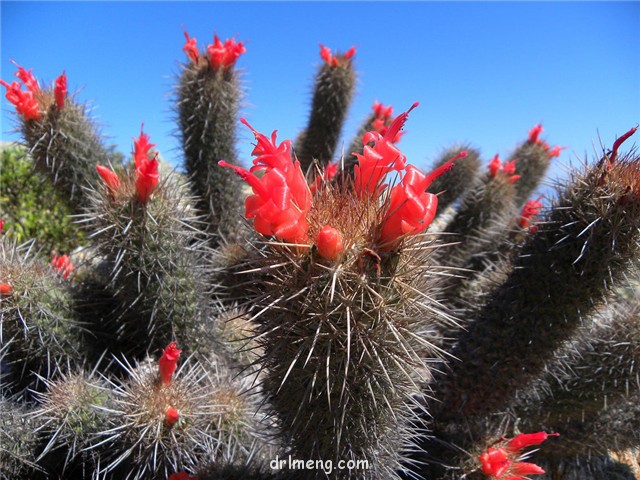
(484, 72)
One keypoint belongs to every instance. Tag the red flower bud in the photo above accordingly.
(524, 440)
(334, 61)
(168, 362)
(171, 416)
(329, 243)
(60, 90)
(5, 289)
(495, 461)
(63, 265)
(224, 55)
(109, 177)
(191, 48)
(1, 224)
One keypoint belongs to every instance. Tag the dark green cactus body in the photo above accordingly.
(532, 162)
(332, 96)
(208, 104)
(66, 145)
(453, 184)
(588, 240)
(39, 328)
(159, 269)
(18, 443)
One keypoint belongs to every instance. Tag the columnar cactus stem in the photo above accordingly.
(588, 240)
(62, 140)
(208, 102)
(456, 182)
(334, 87)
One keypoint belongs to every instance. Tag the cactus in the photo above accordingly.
(373, 323)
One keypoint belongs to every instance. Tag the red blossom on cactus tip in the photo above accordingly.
(60, 90)
(5, 289)
(62, 264)
(509, 168)
(618, 142)
(109, 177)
(171, 416)
(167, 364)
(224, 55)
(28, 78)
(411, 209)
(378, 160)
(329, 243)
(535, 132)
(141, 147)
(530, 210)
(500, 462)
(24, 101)
(191, 48)
(336, 60)
(281, 198)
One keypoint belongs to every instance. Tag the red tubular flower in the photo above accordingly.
(28, 78)
(25, 102)
(5, 289)
(411, 209)
(147, 179)
(141, 147)
(60, 90)
(524, 440)
(171, 416)
(281, 197)
(109, 177)
(337, 60)
(329, 243)
(62, 263)
(530, 210)
(495, 461)
(618, 142)
(191, 48)
(500, 462)
(496, 166)
(375, 162)
(535, 132)
(168, 362)
(224, 55)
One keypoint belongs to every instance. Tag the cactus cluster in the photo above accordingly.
(316, 315)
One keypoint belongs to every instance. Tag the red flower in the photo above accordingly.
(383, 119)
(224, 55)
(60, 90)
(28, 78)
(501, 462)
(411, 209)
(617, 143)
(110, 178)
(191, 48)
(171, 416)
(337, 60)
(535, 132)
(530, 210)
(168, 362)
(496, 166)
(141, 148)
(329, 243)
(62, 263)
(281, 197)
(5, 289)
(375, 162)
(534, 137)
(25, 102)
(1, 224)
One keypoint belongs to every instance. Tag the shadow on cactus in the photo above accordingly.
(339, 317)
